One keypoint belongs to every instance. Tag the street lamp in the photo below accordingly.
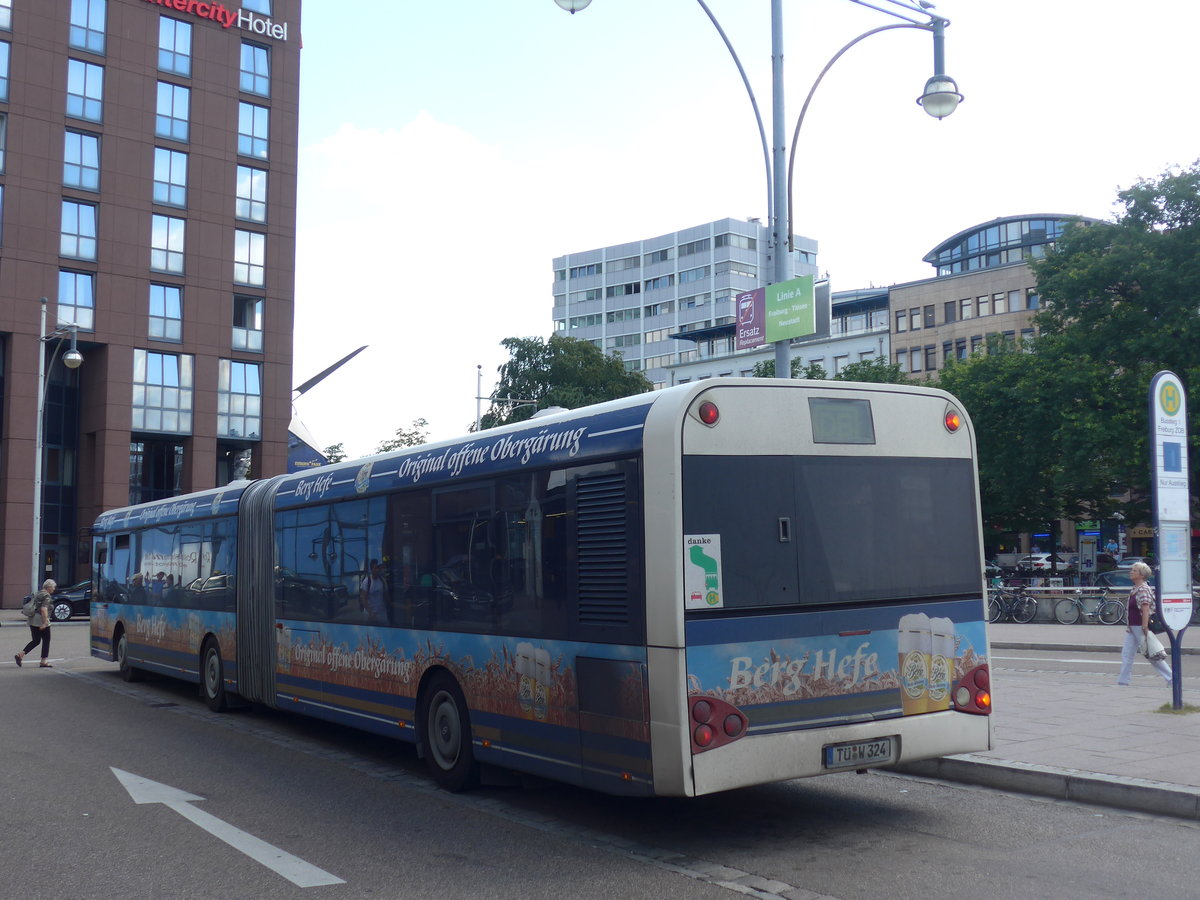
(72, 359)
(940, 98)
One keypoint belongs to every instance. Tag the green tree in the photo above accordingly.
(1020, 406)
(406, 437)
(560, 371)
(1121, 304)
(335, 453)
(876, 369)
(813, 371)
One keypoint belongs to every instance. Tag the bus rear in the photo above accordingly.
(829, 569)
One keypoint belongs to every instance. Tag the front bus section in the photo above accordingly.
(831, 582)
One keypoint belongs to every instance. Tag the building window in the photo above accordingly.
(901, 321)
(1032, 300)
(914, 319)
(85, 90)
(258, 6)
(662, 281)
(976, 343)
(5, 53)
(914, 359)
(620, 265)
(929, 321)
(735, 267)
(77, 299)
(171, 118)
(253, 130)
(693, 274)
(960, 348)
(695, 301)
(580, 271)
(930, 358)
(87, 25)
(659, 309)
(81, 161)
(966, 305)
(736, 240)
(6, 15)
(985, 305)
(175, 46)
(162, 392)
(658, 256)
(166, 312)
(691, 247)
(623, 315)
(902, 360)
(248, 323)
(166, 243)
(251, 194)
(621, 290)
(586, 296)
(249, 257)
(155, 470)
(78, 236)
(170, 177)
(624, 340)
(949, 309)
(239, 400)
(1000, 303)
(256, 70)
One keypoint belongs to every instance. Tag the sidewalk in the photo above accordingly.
(1078, 736)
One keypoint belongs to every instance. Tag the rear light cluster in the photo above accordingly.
(714, 723)
(952, 419)
(973, 694)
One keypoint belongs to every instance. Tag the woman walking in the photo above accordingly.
(1141, 604)
(39, 623)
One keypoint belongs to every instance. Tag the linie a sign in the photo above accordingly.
(227, 18)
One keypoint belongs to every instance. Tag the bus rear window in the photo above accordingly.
(837, 420)
(820, 530)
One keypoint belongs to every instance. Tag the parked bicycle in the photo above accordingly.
(1108, 610)
(1011, 603)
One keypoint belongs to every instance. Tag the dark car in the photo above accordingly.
(75, 600)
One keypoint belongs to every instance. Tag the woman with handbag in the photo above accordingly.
(39, 623)
(1141, 605)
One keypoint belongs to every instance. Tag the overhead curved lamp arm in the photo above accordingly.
(762, 133)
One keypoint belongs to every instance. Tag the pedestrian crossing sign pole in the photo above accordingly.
(1172, 515)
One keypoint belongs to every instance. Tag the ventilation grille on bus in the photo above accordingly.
(603, 564)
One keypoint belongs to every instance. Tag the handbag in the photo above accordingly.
(1151, 647)
(1156, 624)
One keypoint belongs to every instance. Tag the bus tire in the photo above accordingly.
(446, 734)
(1066, 611)
(212, 676)
(127, 670)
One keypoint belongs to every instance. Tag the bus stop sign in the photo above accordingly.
(1169, 481)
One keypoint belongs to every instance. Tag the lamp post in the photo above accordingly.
(72, 359)
(939, 98)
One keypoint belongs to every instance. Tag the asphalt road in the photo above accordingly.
(359, 809)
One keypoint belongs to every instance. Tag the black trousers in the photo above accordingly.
(40, 636)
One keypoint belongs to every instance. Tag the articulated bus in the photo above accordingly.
(720, 584)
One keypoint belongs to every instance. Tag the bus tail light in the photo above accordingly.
(952, 419)
(973, 693)
(707, 412)
(714, 722)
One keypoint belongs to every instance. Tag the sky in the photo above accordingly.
(449, 151)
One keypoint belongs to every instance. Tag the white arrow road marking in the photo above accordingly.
(294, 869)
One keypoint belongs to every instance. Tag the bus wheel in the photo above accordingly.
(212, 682)
(446, 735)
(128, 672)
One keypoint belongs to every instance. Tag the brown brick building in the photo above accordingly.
(148, 191)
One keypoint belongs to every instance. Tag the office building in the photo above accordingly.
(147, 191)
(634, 299)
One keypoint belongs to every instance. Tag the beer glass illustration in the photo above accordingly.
(941, 663)
(914, 648)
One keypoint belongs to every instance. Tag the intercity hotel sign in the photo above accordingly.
(227, 18)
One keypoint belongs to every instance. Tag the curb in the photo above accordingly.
(1075, 648)
(1136, 794)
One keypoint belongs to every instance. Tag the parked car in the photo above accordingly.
(1126, 562)
(1117, 583)
(1041, 563)
(75, 600)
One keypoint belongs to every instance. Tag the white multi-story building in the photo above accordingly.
(630, 299)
